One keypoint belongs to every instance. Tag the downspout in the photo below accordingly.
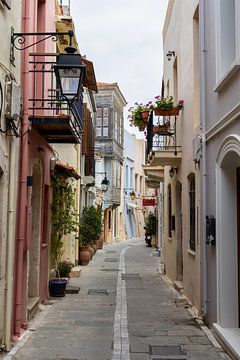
(203, 257)
(160, 216)
(24, 158)
(11, 232)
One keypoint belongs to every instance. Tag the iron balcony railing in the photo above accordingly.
(163, 141)
(46, 100)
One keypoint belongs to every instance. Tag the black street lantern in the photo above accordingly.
(104, 184)
(70, 71)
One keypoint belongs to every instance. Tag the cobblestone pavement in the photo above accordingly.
(130, 312)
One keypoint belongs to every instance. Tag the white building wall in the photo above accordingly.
(9, 150)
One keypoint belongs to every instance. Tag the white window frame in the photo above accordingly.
(222, 80)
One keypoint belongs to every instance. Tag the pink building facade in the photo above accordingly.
(32, 233)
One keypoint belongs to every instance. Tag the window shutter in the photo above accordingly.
(7, 3)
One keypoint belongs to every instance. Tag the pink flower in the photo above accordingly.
(157, 97)
(181, 102)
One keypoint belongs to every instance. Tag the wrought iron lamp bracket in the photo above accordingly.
(18, 40)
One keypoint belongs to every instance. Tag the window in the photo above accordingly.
(196, 69)
(227, 39)
(169, 211)
(192, 212)
(117, 127)
(102, 122)
(109, 220)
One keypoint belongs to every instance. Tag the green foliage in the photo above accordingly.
(64, 217)
(90, 225)
(167, 103)
(136, 118)
(64, 268)
(151, 224)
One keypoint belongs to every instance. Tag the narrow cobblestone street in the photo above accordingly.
(125, 310)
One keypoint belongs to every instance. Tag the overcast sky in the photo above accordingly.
(124, 40)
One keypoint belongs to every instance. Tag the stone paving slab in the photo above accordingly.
(105, 327)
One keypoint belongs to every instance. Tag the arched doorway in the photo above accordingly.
(227, 233)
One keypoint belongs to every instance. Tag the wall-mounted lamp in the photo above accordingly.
(170, 54)
(173, 171)
(132, 195)
(104, 183)
(69, 71)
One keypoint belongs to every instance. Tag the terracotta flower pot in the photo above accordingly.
(158, 129)
(91, 251)
(166, 112)
(84, 256)
(99, 243)
(145, 114)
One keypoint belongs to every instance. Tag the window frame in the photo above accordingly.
(222, 78)
(100, 111)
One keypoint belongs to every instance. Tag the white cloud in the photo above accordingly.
(123, 39)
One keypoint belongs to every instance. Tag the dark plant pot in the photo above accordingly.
(57, 287)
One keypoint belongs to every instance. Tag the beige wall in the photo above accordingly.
(179, 31)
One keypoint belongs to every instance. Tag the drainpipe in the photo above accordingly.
(204, 279)
(24, 159)
(11, 235)
(160, 222)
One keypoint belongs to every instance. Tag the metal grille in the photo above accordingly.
(111, 260)
(97, 292)
(166, 352)
(130, 276)
(110, 270)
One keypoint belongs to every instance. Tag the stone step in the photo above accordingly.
(32, 307)
(75, 272)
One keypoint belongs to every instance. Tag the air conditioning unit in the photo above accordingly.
(12, 100)
(197, 148)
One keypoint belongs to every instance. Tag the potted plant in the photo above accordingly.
(139, 115)
(166, 107)
(151, 226)
(161, 128)
(90, 230)
(63, 222)
(64, 268)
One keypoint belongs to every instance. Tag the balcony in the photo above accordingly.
(154, 172)
(163, 148)
(50, 114)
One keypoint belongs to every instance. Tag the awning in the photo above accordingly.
(67, 169)
(89, 81)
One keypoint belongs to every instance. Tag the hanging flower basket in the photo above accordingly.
(141, 128)
(167, 112)
(145, 114)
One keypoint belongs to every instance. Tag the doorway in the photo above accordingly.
(34, 252)
(228, 233)
(238, 239)
(179, 263)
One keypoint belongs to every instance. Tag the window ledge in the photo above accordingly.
(169, 238)
(235, 67)
(191, 252)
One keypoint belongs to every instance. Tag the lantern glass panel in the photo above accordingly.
(70, 81)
